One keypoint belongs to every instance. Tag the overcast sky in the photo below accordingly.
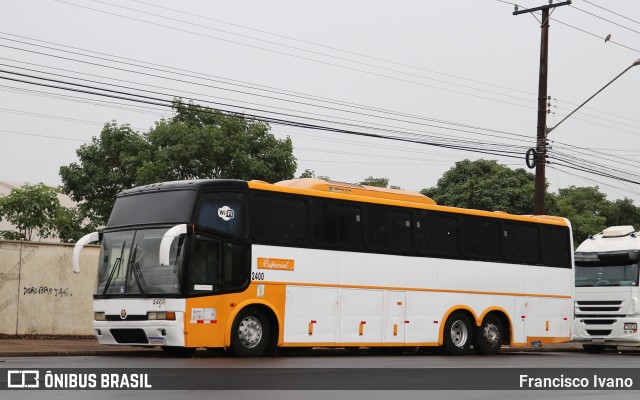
(455, 73)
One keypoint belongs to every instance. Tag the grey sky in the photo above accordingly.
(464, 62)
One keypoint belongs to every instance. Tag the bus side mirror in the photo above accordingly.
(167, 240)
(86, 239)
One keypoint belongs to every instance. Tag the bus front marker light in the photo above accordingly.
(99, 316)
(170, 315)
(630, 327)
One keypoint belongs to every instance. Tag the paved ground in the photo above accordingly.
(62, 346)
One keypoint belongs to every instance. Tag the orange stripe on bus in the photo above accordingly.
(557, 296)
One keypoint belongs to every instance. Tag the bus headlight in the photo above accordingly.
(99, 316)
(630, 327)
(164, 315)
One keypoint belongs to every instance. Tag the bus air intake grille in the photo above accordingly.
(599, 321)
(599, 308)
(598, 332)
(600, 303)
(130, 336)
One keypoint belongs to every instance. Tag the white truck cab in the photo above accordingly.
(607, 305)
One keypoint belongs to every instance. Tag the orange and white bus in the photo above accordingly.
(252, 266)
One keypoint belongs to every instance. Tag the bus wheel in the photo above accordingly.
(489, 336)
(177, 351)
(250, 333)
(457, 334)
(593, 348)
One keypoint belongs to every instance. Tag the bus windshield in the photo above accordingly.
(606, 274)
(129, 264)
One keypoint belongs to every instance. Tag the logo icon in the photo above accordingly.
(123, 314)
(23, 379)
(226, 213)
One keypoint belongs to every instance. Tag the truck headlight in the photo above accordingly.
(630, 326)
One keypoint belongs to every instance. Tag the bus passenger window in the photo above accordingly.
(520, 243)
(223, 212)
(480, 238)
(388, 229)
(279, 219)
(555, 247)
(324, 223)
(349, 226)
(436, 234)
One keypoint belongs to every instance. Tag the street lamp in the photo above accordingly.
(637, 62)
(536, 157)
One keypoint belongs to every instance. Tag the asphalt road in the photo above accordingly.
(349, 375)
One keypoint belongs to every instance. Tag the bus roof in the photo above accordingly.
(356, 190)
(331, 189)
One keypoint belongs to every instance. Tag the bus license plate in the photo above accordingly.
(157, 340)
(597, 340)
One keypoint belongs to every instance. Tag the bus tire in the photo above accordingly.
(457, 334)
(250, 333)
(489, 337)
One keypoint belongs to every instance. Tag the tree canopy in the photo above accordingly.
(486, 185)
(197, 143)
(35, 210)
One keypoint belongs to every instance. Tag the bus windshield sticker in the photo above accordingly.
(275, 263)
(203, 287)
(226, 213)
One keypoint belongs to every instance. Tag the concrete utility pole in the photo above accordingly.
(540, 152)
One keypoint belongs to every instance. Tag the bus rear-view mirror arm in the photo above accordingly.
(86, 239)
(167, 240)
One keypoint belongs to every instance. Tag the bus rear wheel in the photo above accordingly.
(489, 336)
(457, 334)
(250, 333)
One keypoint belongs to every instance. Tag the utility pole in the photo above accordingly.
(540, 152)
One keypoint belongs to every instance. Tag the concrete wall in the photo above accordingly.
(40, 294)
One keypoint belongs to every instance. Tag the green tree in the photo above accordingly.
(35, 210)
(585, 208)
(379, 182)
(196, 143)
(203, 143)
(622, 212)
(107, 166)
(487, 185)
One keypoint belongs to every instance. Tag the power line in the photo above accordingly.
(612, 12)
(604, 19)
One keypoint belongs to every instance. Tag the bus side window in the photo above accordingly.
(436, 234)
(323, 222)
(480, 238)
(279, 219)
(388, 229)
(204, 269)
(236, 267)
(349, 226)
(520, 243)
(223, 212)
(555, 246)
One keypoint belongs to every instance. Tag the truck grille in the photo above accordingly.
(599, 315)
(598, 308)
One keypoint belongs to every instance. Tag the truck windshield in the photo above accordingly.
(129, 264)
(606, 274)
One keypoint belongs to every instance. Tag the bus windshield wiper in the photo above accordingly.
(116, 267)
